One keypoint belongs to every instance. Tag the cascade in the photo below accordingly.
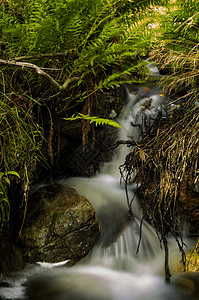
(107, 193)
(115, 269)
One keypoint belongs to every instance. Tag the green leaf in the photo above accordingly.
(12, 173)
(37, 102)
(94, 119)
(2, 174)
(7, 180)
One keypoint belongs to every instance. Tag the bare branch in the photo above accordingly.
(41, 72)
(67, 82)
(36, 56)
(122, 142)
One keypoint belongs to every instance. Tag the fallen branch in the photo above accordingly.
(41, 72)
(38, 56)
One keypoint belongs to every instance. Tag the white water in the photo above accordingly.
(113, 269)
(107, 194)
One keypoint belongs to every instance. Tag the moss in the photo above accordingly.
(192, 258)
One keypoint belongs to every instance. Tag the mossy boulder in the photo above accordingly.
(60, 225)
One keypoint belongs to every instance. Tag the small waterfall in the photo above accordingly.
(120, 236)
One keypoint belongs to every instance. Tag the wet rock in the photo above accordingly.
(187, 284)
(192, 261)
(189, 208)
(11, 259)
(60, 225)
(74, 161)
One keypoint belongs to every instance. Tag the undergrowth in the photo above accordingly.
(57, 58)
(20, 149)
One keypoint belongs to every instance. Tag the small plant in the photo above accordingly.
(4, 200)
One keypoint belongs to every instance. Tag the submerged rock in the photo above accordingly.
(60, 225)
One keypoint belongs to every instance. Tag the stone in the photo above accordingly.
(187, 284)
(11, 259)
(188, 207)
(60, 225)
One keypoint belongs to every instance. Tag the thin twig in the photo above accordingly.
(140, 235)
(122, 142)
(51, 132)
(4, 86)
(26, 188)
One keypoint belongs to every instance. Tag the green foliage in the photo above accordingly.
(178, 46)
(187, 6)
(97, 31)
(4, 201)
(93, 119)
(19, 136)
(100, 42)
(20, 148)
(33, 26)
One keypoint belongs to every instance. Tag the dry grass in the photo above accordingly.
(164, 162)
(185, 72)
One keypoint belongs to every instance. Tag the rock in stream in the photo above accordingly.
(60, 225)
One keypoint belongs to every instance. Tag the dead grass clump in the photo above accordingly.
(163, 162)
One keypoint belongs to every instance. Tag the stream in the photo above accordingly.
(121, 266)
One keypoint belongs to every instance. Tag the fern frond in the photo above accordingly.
(94, 119)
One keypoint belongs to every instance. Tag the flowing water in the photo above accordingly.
(115, 269)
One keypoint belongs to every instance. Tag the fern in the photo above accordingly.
(105, 45)
(93, 119)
